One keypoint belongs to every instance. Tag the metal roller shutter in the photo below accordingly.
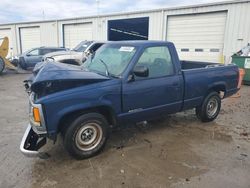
(198, 36)
(7, 33)
(30, 38)
(75, 33)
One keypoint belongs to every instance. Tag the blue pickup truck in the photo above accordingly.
(123, 82)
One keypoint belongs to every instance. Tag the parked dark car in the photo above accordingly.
(31, 57)
(124, 82)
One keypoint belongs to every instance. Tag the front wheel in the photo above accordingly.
(22, 63)
(210, 108)
(86, 135)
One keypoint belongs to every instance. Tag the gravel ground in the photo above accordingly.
(178, 151)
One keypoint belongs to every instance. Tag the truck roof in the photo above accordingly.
(51, 47)
(139, 42)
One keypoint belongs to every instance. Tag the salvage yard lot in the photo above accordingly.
(178, 151)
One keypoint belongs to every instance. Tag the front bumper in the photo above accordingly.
(31, 143)
(38, 128)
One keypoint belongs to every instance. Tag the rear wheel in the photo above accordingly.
(22, 63)
(86, 135)
(210, 107)
(2, 65)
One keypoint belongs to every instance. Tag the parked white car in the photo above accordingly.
(77, 55)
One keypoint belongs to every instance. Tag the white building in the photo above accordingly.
(206, 32)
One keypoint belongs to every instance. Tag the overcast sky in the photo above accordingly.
(33, 10)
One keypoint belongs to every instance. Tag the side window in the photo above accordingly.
(96, 46)
(34, 52)
(158, 61)
(45, 51)
(59, 49)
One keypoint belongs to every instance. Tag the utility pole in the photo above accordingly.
(98, 7)
(98, 17)
(43, 15)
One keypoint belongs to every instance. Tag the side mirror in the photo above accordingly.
(89, 52)
(141, 71)
(84, 59)
(28, 55)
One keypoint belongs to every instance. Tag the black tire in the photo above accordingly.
(2, 65)
(15, 62)
(81, 129)
(22, 63)
(210, 107)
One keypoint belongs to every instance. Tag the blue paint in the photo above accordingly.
(133, 101)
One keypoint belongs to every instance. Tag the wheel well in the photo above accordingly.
(107, 112)
(220, 89)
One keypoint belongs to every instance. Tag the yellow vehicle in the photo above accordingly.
(4, 49)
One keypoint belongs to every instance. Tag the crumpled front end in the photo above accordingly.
(31, 143)
(51, 78)
(35, 135)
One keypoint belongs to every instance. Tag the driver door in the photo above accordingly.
(32, 56)
(157, 94)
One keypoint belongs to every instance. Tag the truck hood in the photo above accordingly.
(55, 77)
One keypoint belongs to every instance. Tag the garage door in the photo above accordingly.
(30, 38)
(198, 37)
(75, 33)
(7, 33)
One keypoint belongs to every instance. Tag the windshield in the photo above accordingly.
(111, 59)
(82, 46)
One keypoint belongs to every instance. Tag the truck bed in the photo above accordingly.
(200, 77)
(197, 64)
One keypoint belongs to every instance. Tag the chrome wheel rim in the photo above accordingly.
(212, 107)
(88, 136)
